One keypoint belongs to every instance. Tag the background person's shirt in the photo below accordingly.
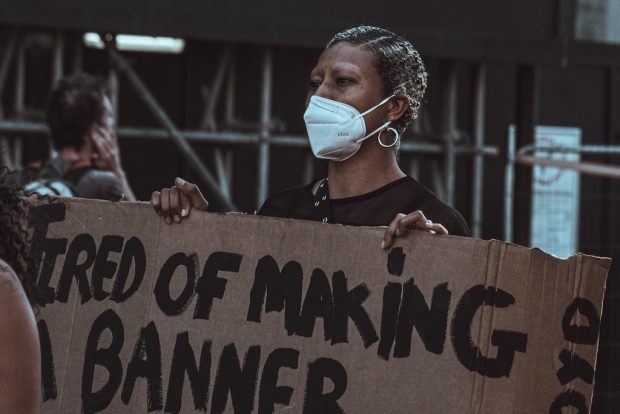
(90, 182)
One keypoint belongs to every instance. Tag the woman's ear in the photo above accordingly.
(396, 108)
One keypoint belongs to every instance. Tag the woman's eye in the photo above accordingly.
(314, 84)
(344, 81)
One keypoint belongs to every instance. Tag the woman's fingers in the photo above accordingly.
(390, 233)
(186, 205)
(192, 192)
(403, 223)
(437, 228)
(155, 202)
(175, 205)
(165, 205)
(417, 219)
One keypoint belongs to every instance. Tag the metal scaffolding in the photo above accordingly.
(233, 132)
(521, 156)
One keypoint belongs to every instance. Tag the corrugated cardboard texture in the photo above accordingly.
(238, 313)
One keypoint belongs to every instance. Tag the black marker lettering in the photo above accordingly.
(317, 402)
(348, 304)
(241, 382)
(318, 303)
(48, 374)
(145, 363)
(183, 361)
(587, 335)
(103, 268)
(108, 358)
(281, 290)
(270, 393)
(507, 342)
(176, 306)
(44, 251)
(133, 252)
(82, 243)
(574, 367)
(210, 286)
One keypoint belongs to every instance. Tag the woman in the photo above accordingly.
(364, 91)
(20, 359)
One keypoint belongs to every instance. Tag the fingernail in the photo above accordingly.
(177, 219)
(180, 181)
(183, 212)
(383, 244)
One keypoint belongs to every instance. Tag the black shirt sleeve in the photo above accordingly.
(439, 212)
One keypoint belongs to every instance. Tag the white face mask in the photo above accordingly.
(336, 130)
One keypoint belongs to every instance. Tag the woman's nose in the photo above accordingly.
(324, 91)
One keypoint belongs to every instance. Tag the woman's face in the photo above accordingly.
(346, 73)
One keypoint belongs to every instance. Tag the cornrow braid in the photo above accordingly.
(399, 64)
(14, 239)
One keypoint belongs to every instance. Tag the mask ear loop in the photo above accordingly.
(396, 137)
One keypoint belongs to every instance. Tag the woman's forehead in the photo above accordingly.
(345, 56)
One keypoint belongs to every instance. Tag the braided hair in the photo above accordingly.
(399, 65)
(14, 240)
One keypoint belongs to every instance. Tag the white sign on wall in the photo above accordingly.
(554, 224)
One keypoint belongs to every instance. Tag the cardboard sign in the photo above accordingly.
(237, 313)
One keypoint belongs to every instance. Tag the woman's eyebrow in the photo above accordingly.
(347, 68)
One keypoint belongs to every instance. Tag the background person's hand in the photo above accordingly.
(176, 203)
(108, 154)
(402, 223)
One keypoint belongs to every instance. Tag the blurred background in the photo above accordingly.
(517, 88)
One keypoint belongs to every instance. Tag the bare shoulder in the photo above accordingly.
(20, 359)
(10, 286)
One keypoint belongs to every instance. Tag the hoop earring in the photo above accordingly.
(396, 137)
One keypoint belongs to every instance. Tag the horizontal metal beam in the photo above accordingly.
(584, 167)
(237, 138)
(579, 149)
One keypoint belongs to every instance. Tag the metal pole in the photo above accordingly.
(20, 92)
(265, 126)
(229, 103)
(208, 119)
(449, 129)
(163, 118)
(113, 90)
(223, 173)
(78, 48)
(509, 178)
(58, 54)
(478, 164)
(20, 79)
(5, 65)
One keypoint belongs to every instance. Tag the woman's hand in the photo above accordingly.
(401, 223)
(175, 203)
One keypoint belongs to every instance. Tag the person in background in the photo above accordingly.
(20, 358)
(364, 91)
(82, 126)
